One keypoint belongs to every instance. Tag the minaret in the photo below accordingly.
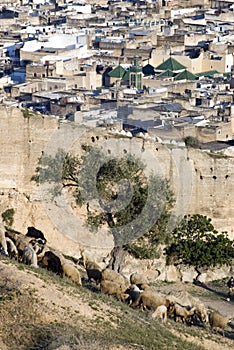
(135, 75)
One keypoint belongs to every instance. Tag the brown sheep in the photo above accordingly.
(12, 234)
(113, 288)
(185, 299)
(138, 279)
(161, 313)
(218, 321)
(146, 287)
(21, 243)
(151, 300)
(201, 313)
(184, 313)
(71, 271)
(111, 275)
(94, 272)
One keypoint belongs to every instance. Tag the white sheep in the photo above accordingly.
(3, 242)
(29, 256)
(12, 250)
(160, 313)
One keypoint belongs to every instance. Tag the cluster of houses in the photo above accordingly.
(158, 65)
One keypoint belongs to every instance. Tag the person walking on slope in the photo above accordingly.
(230, 285)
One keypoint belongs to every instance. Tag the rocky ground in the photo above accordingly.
(41, 311)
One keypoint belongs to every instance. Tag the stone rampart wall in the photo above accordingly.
(203, 182)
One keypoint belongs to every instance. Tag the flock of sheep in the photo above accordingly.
(31, 249)
(138, 294)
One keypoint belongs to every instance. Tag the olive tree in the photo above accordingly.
(135, 207)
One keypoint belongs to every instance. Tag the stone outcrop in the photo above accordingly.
(158, 270)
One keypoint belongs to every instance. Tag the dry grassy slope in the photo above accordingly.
(41, 311)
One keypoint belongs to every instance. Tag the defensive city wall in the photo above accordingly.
(203, 181)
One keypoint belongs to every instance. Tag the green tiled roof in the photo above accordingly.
(166, 73)
(185, 75)
(170, 64)
(208, 73)
(126, 76)
(117, 72)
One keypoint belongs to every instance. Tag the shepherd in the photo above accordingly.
(230, 285)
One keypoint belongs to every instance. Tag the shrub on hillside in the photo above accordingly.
(196, 242)
(191, 141)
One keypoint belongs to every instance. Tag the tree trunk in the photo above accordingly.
(117, 261)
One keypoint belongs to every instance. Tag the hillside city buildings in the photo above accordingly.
(141, 65)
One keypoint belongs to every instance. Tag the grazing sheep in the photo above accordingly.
(35, 233)
(52, 262)
(29, 256)
(114, 276)
(12, 250)
(146, 287)
(41, 253)
(94, 271)
(138, 279)
(201, 313)
(151, 300)
(21, 243)
(161, 313)
(133, 293)
(37, 247)
(185, 299)
(3, 242)
(184, 313)
(71, 271)
(113, 288)
(218, 321)
(12, 234)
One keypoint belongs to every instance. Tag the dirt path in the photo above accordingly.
(214, 296)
